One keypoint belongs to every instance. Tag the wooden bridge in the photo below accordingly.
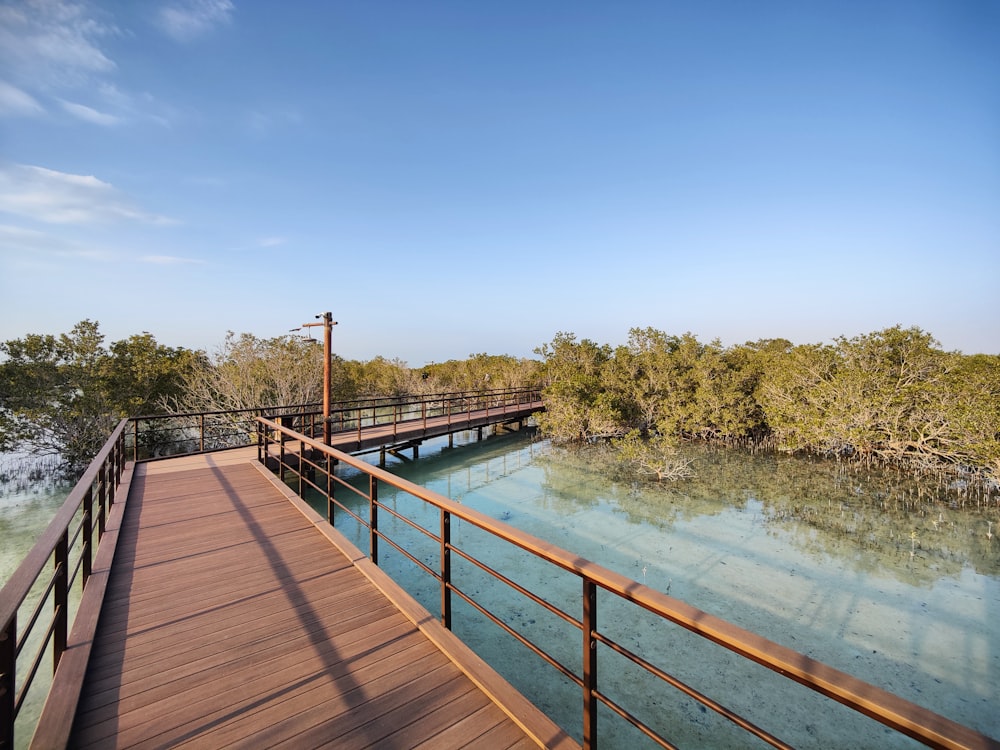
(219, 609)
(234, 614)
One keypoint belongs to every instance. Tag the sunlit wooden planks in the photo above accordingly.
(229, 619)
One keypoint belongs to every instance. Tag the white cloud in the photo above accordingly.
(264, 123)
(189, 19)
(17, 103)
(61, 198)
(89, 114)
(20, 243)
(54, 50)
(168, 260)
(52, 43)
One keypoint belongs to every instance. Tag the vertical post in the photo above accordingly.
(111, 472)
(331, 467)
(8, 685)
(102, 498)
(281, 456)
(446, 568)
(327, 346)
(373, 518)
(60, 599)
(135, 439)
(87, 548)
(589, 665)
(302, 466)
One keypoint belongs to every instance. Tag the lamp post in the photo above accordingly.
(328, 323)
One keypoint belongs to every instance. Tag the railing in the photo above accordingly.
(312, 465)
(358, 415)
(167, 435)
(45, 579)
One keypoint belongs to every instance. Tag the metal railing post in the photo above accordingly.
(135, 439)
(102, 498)
(446, 568)
(302, 466)
(8, 682)
(331, 467)
(589, 665)
(86, 551)
(60, 599)
(373, 518)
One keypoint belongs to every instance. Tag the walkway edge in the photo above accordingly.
(55, 723)
(539, 727)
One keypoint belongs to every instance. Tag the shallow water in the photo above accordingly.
(26, 509)
(893, 581)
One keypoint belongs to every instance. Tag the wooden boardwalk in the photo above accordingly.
(235, 616)
(416, 429)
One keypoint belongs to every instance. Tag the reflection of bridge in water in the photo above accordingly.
(221, 609)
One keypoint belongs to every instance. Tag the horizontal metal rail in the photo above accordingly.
(187, 433)
(313, 463)
(72, 535)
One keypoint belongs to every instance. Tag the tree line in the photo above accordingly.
(892, 396)
(63, 394)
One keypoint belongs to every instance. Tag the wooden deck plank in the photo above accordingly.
(231, 619)
(135, 666)
(141, 673)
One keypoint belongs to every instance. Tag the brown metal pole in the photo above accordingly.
(328, 324)
(327, 342)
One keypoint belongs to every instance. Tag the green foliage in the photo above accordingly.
(578, 403)
(480, 371)
(891, 396)
(381, 377)
(62, 395)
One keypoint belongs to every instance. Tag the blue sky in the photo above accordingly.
(458, 177)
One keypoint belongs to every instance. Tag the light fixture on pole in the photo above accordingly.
(328, 323)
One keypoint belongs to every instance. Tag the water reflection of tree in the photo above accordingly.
(918, 529)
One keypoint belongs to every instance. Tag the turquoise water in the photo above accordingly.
(893, 581)
(26, 508)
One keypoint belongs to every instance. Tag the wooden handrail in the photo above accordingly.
(887, 708)
(104, 473)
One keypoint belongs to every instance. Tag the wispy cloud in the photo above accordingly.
(53, 43)
(61, 198)
(89, 114)
(189, 19)
(271, 241)
(169, 260)
(20, 243)
(52, 54)
(262, 124)
(17, 103)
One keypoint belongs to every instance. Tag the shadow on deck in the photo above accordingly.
(235, 615)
